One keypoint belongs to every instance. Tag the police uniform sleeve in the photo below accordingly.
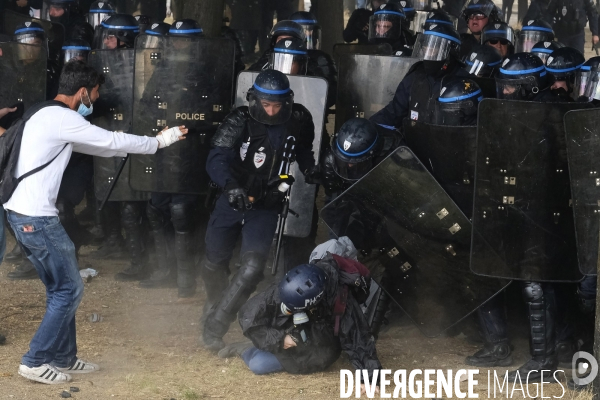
(223, 144)
(256, 320)
(354, 29)
(394, 113)
(304, 147)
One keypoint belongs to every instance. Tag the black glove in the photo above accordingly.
(237, 197)
(313, 175)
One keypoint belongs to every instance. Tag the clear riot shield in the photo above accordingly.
(113, 112)
(22, 74)
(413, 230)
(55, 32)
(367, 83)
(341, 49)
(583, 150)
(522, 203)
(449, 154)
(179, 81)
(311, 92)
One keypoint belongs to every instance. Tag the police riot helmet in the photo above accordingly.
(158, 29)
(544, 49)
(587, 80)
(385, 25)
(75, 49)
(33, 34)
(186, 28)
(458, 102)
(290, 57)
(534, 31)
(312, 29)
(521, 76)
(118, 31)
(438, 43)
(286, 28)
(438, 17)
(499, 33)
(274, 87)
(354, 148)
(151, 39)
(486, 8)
(423, 5)
(563, 64)
(483, 61)
(302, 288)
(58, 10)
(407, 7)
(99, 11)
(143, 22)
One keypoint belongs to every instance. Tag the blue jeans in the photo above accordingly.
(261, 362)
(49, 248)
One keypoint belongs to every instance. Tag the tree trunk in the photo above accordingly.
(208, 13)
(331, 18)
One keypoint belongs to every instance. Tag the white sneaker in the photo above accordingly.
(45, 374)
(80, 367)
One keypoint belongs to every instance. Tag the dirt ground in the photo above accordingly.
(147, 347)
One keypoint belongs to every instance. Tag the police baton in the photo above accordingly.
(110, 189)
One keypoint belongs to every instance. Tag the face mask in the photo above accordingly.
(85, 110)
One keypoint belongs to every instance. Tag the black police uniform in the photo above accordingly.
(568, 19)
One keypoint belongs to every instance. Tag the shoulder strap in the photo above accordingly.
(38, 169)
(30, 112)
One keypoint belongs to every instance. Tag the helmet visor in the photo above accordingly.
(479, 68)
(269, 112)
(78, 53)
(95, 18)
(384, 26)
(313, 36)
(508, 90)
(542, 55)
(587, 84)
(528, 39)
(352, 171)
(420, 5)
(31, 52)
(433, 47)
(289, 63)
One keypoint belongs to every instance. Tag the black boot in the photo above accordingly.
(24, 271)
(541, 310)
(237, 293)
(182, 217)
(493, 330)
(216, 280)
(131, 219)
(15, 255)
(164, 275)
(113, 245)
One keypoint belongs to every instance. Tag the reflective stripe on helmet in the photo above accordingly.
(359, 153)
(442, 36)
(458, 98)
(269, 91)
(537, 28)
(525, 71)
(557, 70)
(185, 30)
(276, 50)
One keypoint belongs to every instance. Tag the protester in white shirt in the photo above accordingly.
(56, 132)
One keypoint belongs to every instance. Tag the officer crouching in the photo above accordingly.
(251, 156)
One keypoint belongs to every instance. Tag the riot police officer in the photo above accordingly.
(76, 49)
(282, 30)
(483, 61)
(319, 63)
(290, 57)
(65, 12)
(533, 31)
(118, 31)
(175, 211)
(522, 77)
(249, 161)
(477, 14)
(415, 96)
(569, 21)
(544, 49)
(500, 36)
(358, 24)
(562, 66)
(587, 81)
(386, 26)
(458, 102)
(99, 11)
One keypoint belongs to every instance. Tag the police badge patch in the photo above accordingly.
(259, 159)
(347, 145)
(178, 25)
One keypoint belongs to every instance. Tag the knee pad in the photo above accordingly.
(253, 265)
(182, 216)
(131, 214)
(533, 292)
(156, 218)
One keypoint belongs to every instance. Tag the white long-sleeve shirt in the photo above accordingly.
(45, 134)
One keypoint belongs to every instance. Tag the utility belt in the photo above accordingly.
(272, 198)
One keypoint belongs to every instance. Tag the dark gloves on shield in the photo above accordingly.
(313, 175)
